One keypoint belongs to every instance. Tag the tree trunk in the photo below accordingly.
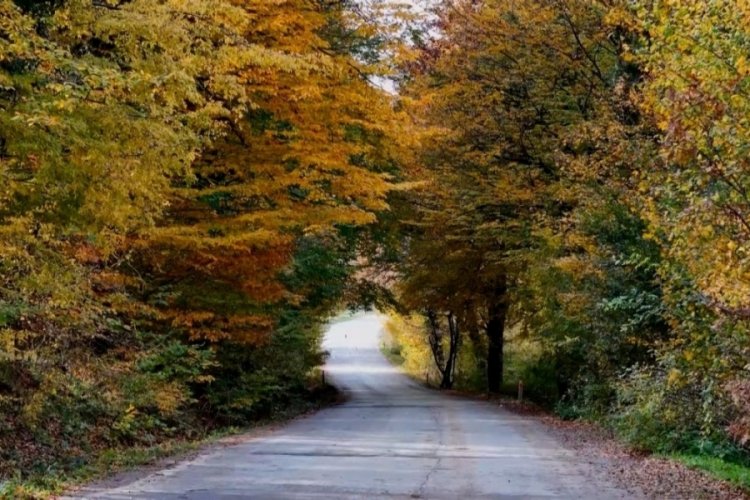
(446, 382)
(450, 365)
(434, 337)
(497, 312)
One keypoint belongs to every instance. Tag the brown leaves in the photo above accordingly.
(739, 391)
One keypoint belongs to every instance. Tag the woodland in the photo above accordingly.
(548, 191)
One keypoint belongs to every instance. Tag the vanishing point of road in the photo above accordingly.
(392, 438)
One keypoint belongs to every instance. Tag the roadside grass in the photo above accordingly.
(54, 482)
(392, 353)
(734, 473)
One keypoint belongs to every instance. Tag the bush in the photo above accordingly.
(588, 398)
(661, 410)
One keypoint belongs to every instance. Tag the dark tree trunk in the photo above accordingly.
(445, 365)
(434, 337)
(446, 382)
(450, 365)
(497, 312)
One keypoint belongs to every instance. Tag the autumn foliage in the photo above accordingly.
(582, 209)
(556, 191)
(182, 187)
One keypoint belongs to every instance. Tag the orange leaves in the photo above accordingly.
(184, 144)
(285, 167)
(739, 391)
(87, 254)
(174, 178)
(207, 325)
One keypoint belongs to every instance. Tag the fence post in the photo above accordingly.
(520, 390)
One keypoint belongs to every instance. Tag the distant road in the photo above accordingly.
(391, 439)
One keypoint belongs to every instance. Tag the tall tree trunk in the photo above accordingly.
(495, 329)
(435, 339)
(450, 365)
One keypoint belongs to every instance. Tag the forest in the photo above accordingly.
(555, 192)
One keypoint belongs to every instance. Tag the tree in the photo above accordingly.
(506, 92)
(172, 175)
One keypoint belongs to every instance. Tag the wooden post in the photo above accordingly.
(323, 377)
(520, 390)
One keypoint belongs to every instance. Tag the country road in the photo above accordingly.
(391, 439)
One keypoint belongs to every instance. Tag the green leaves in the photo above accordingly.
(174, 178)
(593, 156)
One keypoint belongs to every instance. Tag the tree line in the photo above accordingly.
(190, 188)
(184, 184)
(583, 180)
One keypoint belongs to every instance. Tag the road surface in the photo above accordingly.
(391, 439)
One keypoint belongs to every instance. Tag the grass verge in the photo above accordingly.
(392, 354)
(721, 469)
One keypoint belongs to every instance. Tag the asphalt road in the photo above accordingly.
(391, 439)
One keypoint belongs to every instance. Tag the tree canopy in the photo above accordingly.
(183, 186)
(555, 192)
(582, 201)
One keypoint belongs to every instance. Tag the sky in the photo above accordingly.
(416, 7)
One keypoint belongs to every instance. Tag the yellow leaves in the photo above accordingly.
(743, 68)
(230, 237)
(45, 121)
(663, 124)
(696, 94)
(169, 398)
(620, 16)
(675, 378)
(409, 186)
(159, 163)
(136, 132)
(124, 423)
(706, 231)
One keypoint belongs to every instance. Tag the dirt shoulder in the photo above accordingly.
(654, 477)
(641, 473)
